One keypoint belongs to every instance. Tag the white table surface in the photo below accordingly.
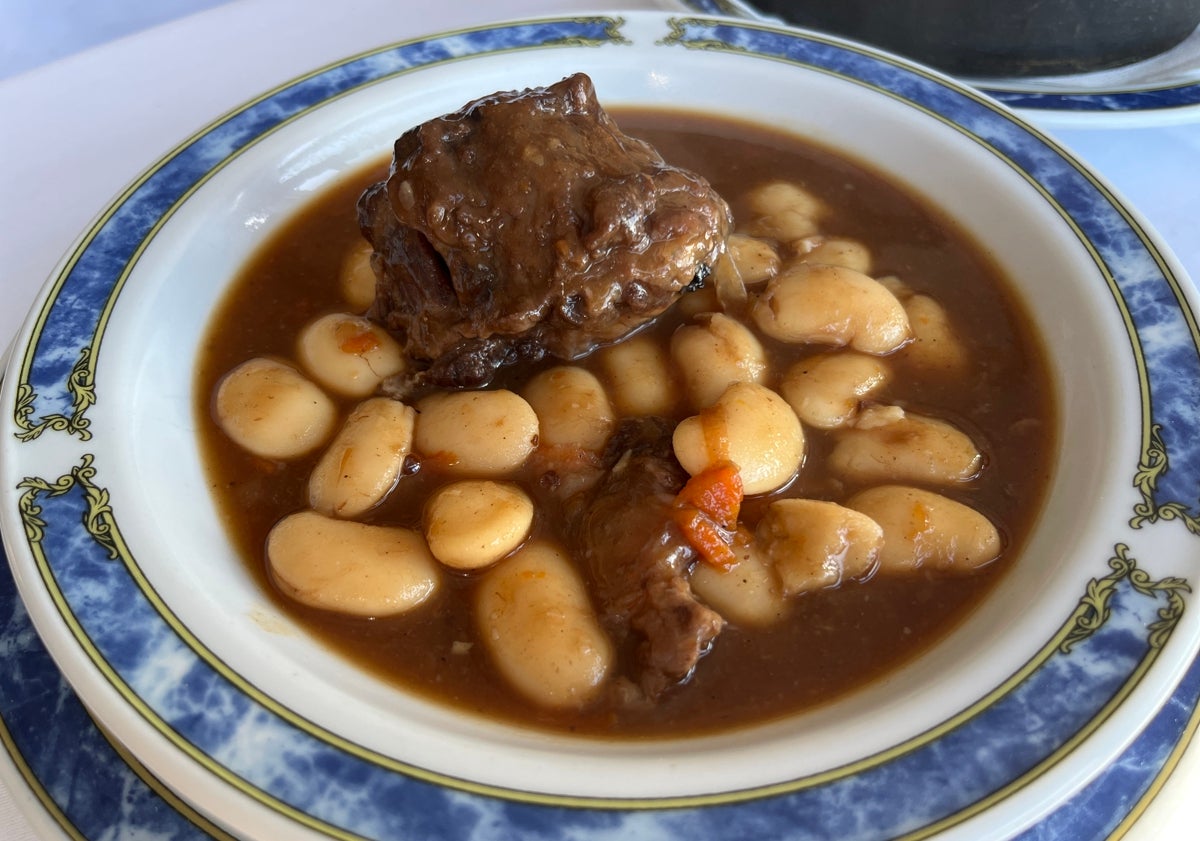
(84, 82)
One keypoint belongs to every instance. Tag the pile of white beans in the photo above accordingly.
(785, 280)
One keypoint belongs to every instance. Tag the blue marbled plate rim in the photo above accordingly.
(74, 770)
(77, 772)
(1166, 97)
(71, 528)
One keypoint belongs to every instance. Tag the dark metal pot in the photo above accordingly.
(1003, 37)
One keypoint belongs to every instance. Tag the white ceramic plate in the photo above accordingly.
(67, 773)
(129, 577)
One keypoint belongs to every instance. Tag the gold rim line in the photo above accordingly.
(364, 753)
(172, 620)
(159, 724)
(185, 809)
(222, 669)
(677, 37)
(1161, 778)
(1137, 227)
(206, 825)
(34, 783)
(1041, 768)
(73, 255)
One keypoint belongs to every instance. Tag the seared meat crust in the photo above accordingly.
(528, 224)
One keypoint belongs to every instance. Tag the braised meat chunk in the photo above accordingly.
(638, 560)
(675, 534)
(528, 224)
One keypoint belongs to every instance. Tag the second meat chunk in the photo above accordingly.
(638, 559)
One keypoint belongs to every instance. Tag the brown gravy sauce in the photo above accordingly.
(835, 640)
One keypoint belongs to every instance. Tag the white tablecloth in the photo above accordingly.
(125, 102)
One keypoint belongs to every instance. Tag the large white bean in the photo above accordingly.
(756, 259)
(831, 305)
(815, 544)
(536, 621)
(364, 461)
(896, 286)
(715, 353)
(935, 346)
(750, 426)
(700, 301)
(349, 567)
(782, 211)
(572, 408)
(834, 251)
(640, 378)
(925, 529)
(472, 524)
(272, 410)
(356, 278)
(483, 432)
(777, 196)
(348, 353)
(887, 444)
(747, 593)
(825, 391)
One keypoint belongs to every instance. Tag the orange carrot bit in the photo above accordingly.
(717, 492)
(706, 511)
(708, 539)
(356, 340)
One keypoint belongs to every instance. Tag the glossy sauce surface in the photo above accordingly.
(833, 640)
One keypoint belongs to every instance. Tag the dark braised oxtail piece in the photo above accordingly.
(528, 224)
